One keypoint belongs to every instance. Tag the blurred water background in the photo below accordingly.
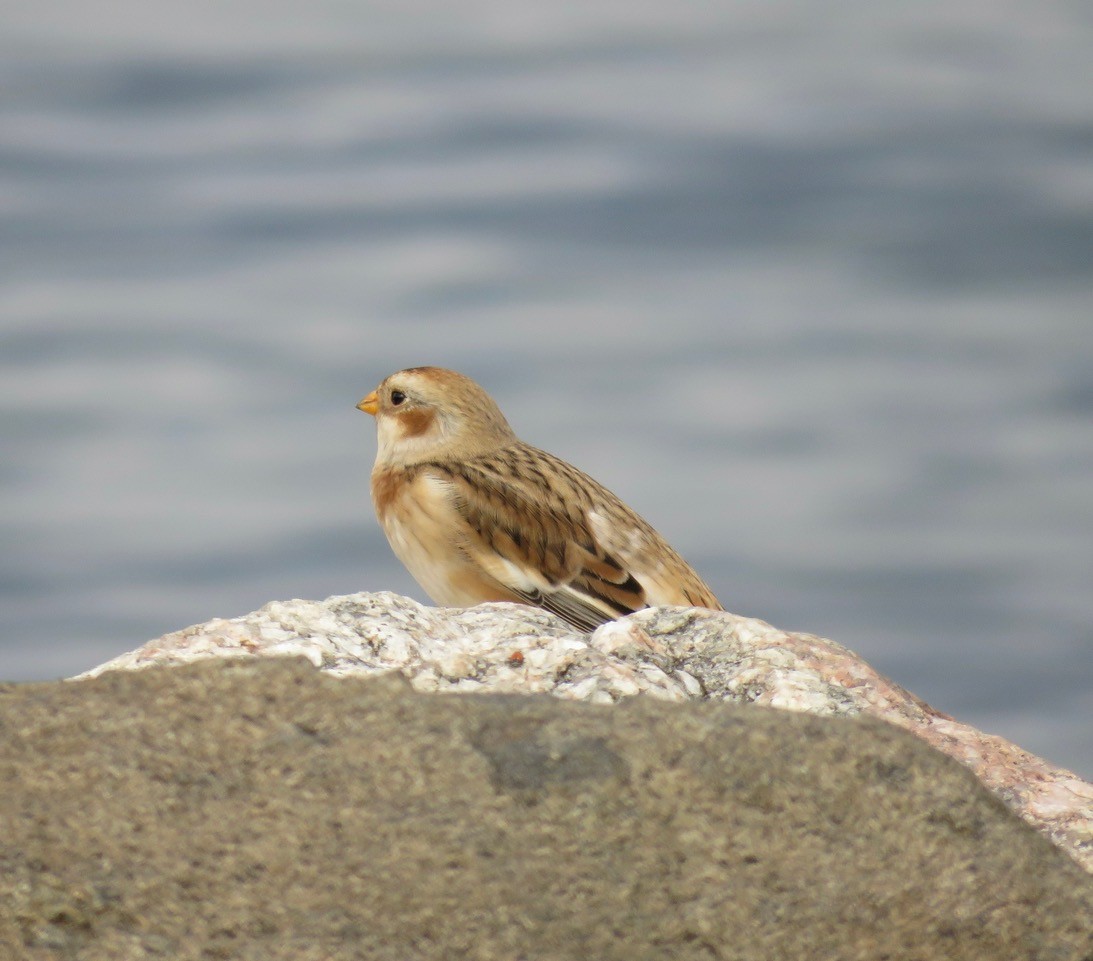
(809, 285)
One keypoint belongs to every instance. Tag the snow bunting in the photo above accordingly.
(477, 515)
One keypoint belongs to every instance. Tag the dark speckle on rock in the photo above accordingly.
(536, 762)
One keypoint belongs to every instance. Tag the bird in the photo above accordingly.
(477, 515)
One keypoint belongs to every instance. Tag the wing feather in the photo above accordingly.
(540, 528)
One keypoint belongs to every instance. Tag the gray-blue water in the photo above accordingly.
(809, 285)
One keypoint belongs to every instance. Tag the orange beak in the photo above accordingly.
(370, 404)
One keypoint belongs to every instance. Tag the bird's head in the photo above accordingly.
(429, 413)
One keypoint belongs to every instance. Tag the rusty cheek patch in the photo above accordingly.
(414, 423)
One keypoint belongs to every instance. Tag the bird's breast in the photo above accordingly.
(415, 511)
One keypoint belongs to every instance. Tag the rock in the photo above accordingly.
(670, 653)
(260, 810)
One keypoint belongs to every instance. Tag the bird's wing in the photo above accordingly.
(527, 524)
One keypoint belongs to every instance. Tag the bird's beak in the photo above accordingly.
(370, 404)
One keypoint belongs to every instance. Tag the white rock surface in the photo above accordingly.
(671, 653)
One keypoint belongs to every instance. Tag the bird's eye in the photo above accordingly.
(397, 397)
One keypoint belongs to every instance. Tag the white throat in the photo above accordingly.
(395, 447)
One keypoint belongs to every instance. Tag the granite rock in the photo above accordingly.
(262, 810)
(676, 654)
